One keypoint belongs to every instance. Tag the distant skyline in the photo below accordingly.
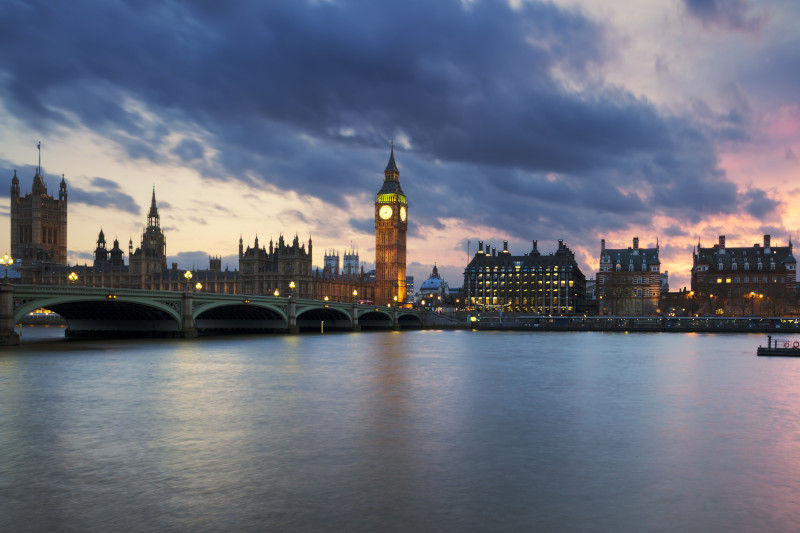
(674, 121)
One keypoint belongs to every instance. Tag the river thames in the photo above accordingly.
(400, 431)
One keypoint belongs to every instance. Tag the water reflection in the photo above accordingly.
(401, 431)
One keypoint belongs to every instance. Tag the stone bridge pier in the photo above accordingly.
(188, 326)
(7, 333)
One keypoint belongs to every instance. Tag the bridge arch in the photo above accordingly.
(409, 321)
(334, 318)
(98, 314)
(239, 316)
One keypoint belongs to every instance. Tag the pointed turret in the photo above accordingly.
(391, 179)
(391, 167)
(153, 220)
(15, 185)
(39, 187)
(62, 189)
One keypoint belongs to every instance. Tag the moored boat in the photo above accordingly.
(780, 347)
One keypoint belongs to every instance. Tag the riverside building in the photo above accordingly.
(39, 247)
(550, 284)
(752, 280)
(629, 280)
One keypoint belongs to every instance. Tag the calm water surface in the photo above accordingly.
(414, 431)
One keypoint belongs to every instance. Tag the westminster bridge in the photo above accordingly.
(102, 311)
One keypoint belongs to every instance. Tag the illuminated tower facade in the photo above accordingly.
(391, 223)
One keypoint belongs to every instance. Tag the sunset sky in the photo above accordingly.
(676, 120)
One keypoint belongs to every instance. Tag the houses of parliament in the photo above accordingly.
(39, 248)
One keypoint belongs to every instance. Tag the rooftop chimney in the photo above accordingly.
(766, 241)
(602, 246)
(722, 241)
(636, 243)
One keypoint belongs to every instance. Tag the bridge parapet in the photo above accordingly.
(106, 311)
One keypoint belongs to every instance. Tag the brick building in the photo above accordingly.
(629, 280)
(736, 281)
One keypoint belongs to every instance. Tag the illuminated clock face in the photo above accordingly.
(403, 213)
(385, 212)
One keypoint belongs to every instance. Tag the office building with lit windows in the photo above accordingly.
(533, 283)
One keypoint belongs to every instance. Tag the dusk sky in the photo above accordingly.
(676, 120)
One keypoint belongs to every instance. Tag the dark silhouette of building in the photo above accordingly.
(105, 259)
(530, 283)
(151, 256)
(38, 227)
(629, 280)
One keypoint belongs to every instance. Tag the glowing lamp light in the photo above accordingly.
(6, 261)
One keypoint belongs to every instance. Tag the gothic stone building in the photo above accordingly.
(755, 280)
(39, 237)
(272, 270)
(38, 227)
(629, 280)
(391, 224)
(532, 283)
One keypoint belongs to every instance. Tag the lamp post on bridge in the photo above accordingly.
(73, 278)
(276, 293)
(198, 287)
(188, 276)
(6, 261)
(291, 289)
(7, 333)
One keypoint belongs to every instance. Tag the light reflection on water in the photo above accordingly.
(429, 431)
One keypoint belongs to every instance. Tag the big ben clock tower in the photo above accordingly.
(391, 223)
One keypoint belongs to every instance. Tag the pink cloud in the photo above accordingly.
(784, 124)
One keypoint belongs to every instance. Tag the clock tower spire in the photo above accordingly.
(391, 223)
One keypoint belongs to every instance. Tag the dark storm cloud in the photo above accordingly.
(189, 150)
(363, 225)
(674, 231)
(306, 96)
(759, 205)
(103, 193)
(732, 14)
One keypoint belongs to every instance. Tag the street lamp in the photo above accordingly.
(291, 288)
(276, 293)
(188, 276)
(73, 277)
(199, 286)
(355, 293)
(326, 298)
(6, 261)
